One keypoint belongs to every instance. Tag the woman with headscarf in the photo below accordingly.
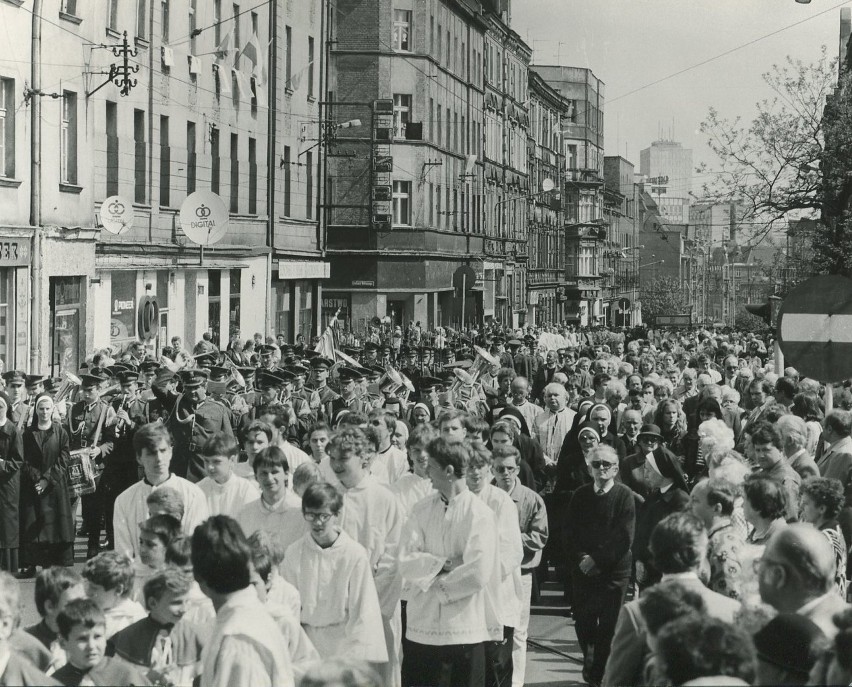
(421, 414)
(47, 523)
(531, 450)
(668, 494)
(10, 487)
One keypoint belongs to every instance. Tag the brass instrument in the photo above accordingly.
(121, 425)
(235, 371)
(484, 361)
(391, 381)
(69, 384)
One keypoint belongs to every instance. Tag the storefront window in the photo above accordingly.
(283, 313)
(123, 322)
(234, 309)
(163, 304)
(214, 312)
(306, 301)
(65, 317)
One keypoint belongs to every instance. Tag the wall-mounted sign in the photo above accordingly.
(204, 218)
(117, 215)
(14, 252)
(363, 282)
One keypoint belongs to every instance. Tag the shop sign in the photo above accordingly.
(14, 252)
(117, 215)
(204, 217)
(363, 282)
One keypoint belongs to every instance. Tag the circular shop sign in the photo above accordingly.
(117, 215)
(204, 217)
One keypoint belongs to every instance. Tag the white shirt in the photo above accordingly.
(372, 516)
(505, 586)
(283, 520)
(228, 498)
(295, 456)
(395, 463)
(550, 429)
(131, 509)
(410, 489)
(340, 607)
(449, 608)
(246, 647)
(530, 411)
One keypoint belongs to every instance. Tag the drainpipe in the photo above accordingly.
(35, 191)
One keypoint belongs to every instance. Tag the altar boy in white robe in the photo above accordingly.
(246, 647)
(505, 587)
(372, 516)
(448, 554)
(340, 607)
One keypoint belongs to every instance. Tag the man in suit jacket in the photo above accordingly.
(544, 376)
(796, 575)
(836, 462)
(679, 547)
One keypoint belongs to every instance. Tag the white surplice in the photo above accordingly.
(131, 509)
(410, 489)
(228, 498)
(449, 608)
(283, 520)
(505, 587)
(246, 647)
(340, 607)
(395, 463)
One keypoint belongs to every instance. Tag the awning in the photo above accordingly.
(303, 269)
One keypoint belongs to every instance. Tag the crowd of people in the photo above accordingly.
(269, 515)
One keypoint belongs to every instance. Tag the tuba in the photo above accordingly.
(483, 362)
(391, 381)
(67, 387)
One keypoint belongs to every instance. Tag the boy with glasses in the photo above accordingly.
(600, 524)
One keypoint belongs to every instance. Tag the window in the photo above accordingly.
(141, 7)
(139, 155)
(237, 44)
(235, 173)
(235, 90)
(7, 127)
(69, 7)
(193, 23)
(165, 163)
(287, 181)
(586, 264)
(449, 128)
(309, 185)
(431, 119)
(111, 149)
(254, 31)
(288, 58)
(449, 47)
(214, 160)
(401, 113)
(402, 29)
(252, 154)
(310, 67)
(191, 161)
(68, 139)
(164, 19)
(438, 214)
(217, 22)
(112, 15)
(440, 33)
(432, 35)
(438, 138)
(236, 279)
(402, 203)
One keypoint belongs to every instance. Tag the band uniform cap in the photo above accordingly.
(210, 358)
(352, 352)
(320, 363)
(193, 378)
(14, 377)
(297, 370)
(370, 346)
(127, 376)
(349, 373)
(268, 380)
(429, 383)
(89, 381)
(32, 380)
(149, 366)
(266, 349)
(516, 343)
(310, 354)
(248, 372)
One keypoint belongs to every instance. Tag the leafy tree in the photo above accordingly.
(771, 165)
(744, 320)
(663, 296)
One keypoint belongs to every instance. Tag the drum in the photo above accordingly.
(81, 473)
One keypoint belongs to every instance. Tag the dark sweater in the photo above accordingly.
(602, 527)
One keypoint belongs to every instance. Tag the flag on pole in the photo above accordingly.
(327, 344)
(225, 51)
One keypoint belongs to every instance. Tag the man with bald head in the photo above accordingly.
(796, 575)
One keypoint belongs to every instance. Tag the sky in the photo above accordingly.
(629, 44)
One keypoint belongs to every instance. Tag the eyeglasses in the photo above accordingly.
(603, 465)
(321, 518)
(503, 469)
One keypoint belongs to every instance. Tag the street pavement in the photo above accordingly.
(553, 655)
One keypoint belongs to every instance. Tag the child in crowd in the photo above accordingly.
(54, 588)
(319, 437)
(165, 501)
(165, 642)
(109, 583)
(278, 417)
(226, 491)
(15, 668)
(258, 436)
(82, 631)
(304, 476)
(416, 485)
(155, 534)
(278, 510)
(199, 608)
